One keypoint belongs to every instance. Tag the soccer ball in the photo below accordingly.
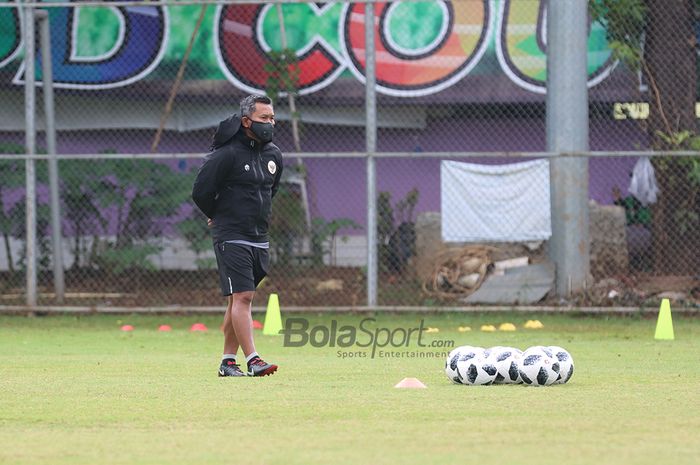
(460, 353)
(566, 364)
(451, 366)
(477, 371)
(506, 360)
(546, 349)
(538, 367)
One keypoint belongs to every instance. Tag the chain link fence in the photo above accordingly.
(461, 82)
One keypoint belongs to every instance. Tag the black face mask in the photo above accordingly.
(263, 131)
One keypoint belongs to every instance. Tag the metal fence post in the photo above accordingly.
(30, 142)
(47, 78)
(371, 146)
(567, 131)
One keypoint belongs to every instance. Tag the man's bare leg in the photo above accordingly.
(243, 325)
(230, 340)
(229, 367)
(242, 320)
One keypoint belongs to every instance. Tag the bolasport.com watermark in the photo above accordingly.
(367, 339)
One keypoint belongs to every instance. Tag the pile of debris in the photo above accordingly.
(490, 275)
(459, 271)
(640, 291)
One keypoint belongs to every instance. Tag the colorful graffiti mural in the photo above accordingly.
(421, 47)
(522, 43)
(10, 38)
(456, 40)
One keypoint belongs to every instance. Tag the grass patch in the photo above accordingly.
(77, 390)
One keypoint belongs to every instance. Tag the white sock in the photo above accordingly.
(229, 357)
(251, 357)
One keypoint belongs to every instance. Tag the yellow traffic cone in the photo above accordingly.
(664, 324)
(273, 319)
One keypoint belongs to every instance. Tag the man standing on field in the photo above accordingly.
(234, 189)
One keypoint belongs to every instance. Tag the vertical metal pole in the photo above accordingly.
(290, 96)
(294, 118)
(30, 142)
(47, 77)
(371, 146)
(567, 131)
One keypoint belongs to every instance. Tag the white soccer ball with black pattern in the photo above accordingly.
(460, 353)
(451, 366)
(538, 367)
(477, 371)
(507, 362)
(566, 364)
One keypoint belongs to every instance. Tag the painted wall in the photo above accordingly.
(422, 48)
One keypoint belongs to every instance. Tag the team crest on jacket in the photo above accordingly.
(271, 167)
(246, 167)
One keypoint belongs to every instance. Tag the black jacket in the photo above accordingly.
(236, 183)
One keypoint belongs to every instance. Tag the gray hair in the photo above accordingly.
(248, 104)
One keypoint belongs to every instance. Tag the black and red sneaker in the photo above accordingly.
(258, 367)
(230, 368)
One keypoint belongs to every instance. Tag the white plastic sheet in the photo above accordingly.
(643, 184)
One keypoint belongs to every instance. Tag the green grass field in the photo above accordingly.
(77, 390)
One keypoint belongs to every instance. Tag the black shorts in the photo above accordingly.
(241, 267)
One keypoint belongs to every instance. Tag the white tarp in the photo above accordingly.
(496, 203)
